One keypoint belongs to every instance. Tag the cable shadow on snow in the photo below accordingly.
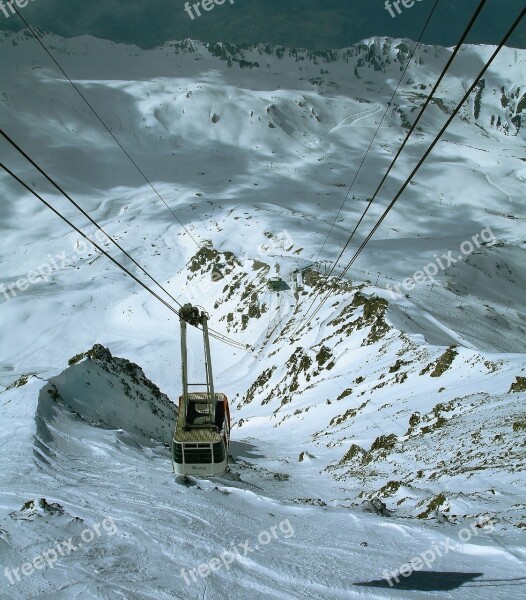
(498, 582)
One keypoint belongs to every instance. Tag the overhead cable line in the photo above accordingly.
(414, 125)
(217, 335)
(134, 163)
(93, 243)
(87, 215)
(428, 152)
(378, 128)
(410, 132)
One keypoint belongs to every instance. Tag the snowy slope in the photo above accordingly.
(406, 405)
(285, 139)
(127, 529)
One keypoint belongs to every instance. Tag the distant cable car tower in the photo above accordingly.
(202, 431)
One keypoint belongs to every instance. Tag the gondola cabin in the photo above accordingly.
(202, 436)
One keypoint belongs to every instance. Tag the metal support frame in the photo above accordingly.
(184, 364)
(192, 315)
(209, 374)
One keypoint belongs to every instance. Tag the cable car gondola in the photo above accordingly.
(202, 431)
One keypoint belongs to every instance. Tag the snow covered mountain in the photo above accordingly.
(377, 430)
